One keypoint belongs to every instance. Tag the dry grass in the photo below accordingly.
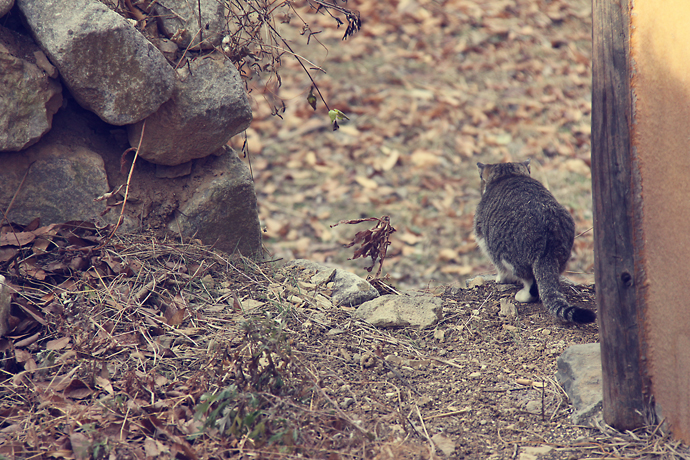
(138, 347)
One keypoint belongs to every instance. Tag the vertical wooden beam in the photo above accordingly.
(617, 208)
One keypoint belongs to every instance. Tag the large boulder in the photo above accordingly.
(108, 66)
(209, 105)
(81, 158)
(30, 92)
(54, 182)
(5, 6)
(179, 21)
(222, 208)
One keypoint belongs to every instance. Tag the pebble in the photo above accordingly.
(533, 407)
(346, 402)
(439, 334)
(507, 308)
(477, 281)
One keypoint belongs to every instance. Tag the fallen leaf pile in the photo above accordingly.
(132, 346)
(430, 88)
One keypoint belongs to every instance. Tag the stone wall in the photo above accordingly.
(79, 83)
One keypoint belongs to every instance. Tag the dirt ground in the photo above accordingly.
(155, 348)
(469, 381)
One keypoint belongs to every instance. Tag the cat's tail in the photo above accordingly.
(547, 275)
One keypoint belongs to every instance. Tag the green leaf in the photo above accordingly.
(311, 99)
(336, 114)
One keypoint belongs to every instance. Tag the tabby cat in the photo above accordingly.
(527, 235)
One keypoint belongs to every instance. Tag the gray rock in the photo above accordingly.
(580, 374)
(5, 7)
(29, 96)
(179, 20)
(60, 185)
(507, 308)
(222, 210)
(108, 66)
(534, 407)
(207, 108)
(348, 289)
(476, 281)
(4, 306)
(417, 310)
(171, 172)
(446, 444)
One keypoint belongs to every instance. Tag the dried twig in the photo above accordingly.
(374, 242)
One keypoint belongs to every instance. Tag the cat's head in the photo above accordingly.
(489, 173)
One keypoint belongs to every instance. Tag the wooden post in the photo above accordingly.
(617, 212)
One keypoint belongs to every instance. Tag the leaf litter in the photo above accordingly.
(430, 88)
(137, 346)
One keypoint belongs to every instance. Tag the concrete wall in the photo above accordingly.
(660, 52)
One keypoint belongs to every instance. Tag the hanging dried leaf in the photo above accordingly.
(373, 242)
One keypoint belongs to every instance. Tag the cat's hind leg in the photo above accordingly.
(505, 272)
(524, 295)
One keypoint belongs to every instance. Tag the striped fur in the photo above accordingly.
(527, 235)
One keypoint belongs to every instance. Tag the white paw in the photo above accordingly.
(524, 296)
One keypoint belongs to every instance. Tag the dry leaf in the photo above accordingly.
(17, 239)
(104, 384)
(57, 344)
(77, 390)
(366, 182)
(425, 159)
(457, 269)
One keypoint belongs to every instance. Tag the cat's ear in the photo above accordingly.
(481, 167)
(526, 163)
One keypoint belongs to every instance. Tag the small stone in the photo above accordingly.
(580, 375)
(475, 375)
(393, 359)
(347, 402)
(533, 407)
(546, 332)
(510, 328)
(507, 308)
(390, 311)
(439, 334)
(476, 281)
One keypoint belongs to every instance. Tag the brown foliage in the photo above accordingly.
(373, 242)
